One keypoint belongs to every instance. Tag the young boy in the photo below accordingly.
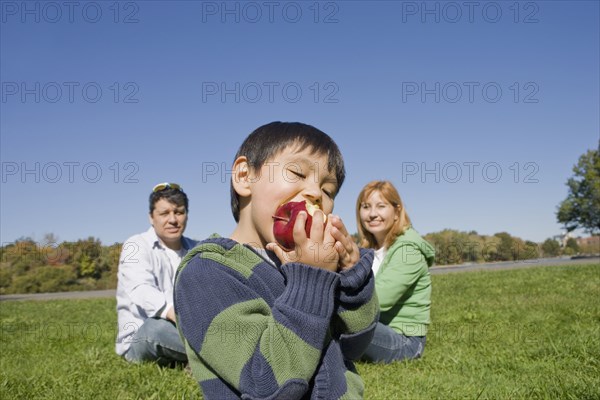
(260, 321)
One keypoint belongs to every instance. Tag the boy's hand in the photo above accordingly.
(318, 250)
(344, 244)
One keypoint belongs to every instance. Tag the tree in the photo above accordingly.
(581, 208)
(571, 247)
(550, 248)
(505, 249)
(531, 250)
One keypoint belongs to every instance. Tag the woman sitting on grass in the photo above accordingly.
(401, 269)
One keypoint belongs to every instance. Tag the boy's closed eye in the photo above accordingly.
(298, 174)
(330, 187)
(329, 192)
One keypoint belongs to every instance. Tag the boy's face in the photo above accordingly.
(291, 175)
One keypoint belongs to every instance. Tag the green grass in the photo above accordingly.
(522, 334)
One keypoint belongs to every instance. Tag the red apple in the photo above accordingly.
(285, 218)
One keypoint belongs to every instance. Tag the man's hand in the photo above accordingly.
(171, 314)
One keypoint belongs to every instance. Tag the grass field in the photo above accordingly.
(518, 334)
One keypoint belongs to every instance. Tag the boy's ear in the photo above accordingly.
(240, 178)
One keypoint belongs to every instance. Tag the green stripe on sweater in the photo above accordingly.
(201, 373)
(288, 355)
(233, 335)
(361, 318)
(355, 385)
(237, 258)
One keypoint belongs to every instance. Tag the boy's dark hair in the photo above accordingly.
(268, 140)
(175, 196)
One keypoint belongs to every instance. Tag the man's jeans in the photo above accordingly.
(388, 346)
(156, 340)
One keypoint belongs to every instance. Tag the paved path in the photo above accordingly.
(541, 262)
(544, 262)
(88, 294)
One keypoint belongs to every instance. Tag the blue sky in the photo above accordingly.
(476, 111)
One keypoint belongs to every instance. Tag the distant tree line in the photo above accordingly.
(27, 266)
(454, 247)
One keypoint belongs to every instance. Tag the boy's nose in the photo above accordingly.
(313, 199)
(313, 194)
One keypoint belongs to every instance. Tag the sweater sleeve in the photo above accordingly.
(402, 269)
(260, 351)
(357, 308)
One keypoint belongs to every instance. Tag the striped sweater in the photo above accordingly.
(255, 329)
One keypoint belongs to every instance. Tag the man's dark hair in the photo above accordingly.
(268, 140)
(175, 196)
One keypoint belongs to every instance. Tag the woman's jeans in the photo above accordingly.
(157, 340)
(388, 346)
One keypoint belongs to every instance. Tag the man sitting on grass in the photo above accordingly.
(147, 267)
